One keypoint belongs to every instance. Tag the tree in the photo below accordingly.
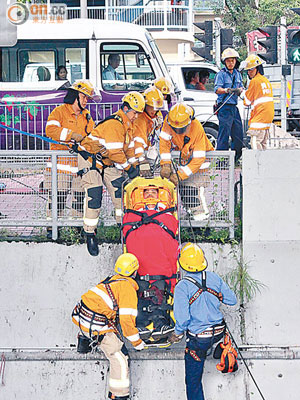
(247, 15)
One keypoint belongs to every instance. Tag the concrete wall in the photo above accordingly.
(40, 283)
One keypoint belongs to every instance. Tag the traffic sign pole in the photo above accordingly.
(218, 41)
(283, 61)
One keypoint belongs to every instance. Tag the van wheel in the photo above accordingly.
(212, 135)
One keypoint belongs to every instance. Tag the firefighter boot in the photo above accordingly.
(113, 397)
(92, 244)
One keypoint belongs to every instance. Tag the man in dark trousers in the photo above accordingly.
(196, 310)
(228, 86)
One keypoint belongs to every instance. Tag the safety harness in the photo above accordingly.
(95, 320)
(95, 157)
(202, 288)
(147, 219)
(210, 332)
(228, 361)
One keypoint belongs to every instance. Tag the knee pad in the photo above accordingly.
(117, 183)
(95, 195)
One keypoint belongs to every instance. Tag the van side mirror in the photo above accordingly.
(140, 59)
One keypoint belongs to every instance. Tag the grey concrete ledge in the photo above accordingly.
(263, 352)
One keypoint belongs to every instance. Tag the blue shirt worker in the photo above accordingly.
(110, 72)
(197, 312)
(228, 86)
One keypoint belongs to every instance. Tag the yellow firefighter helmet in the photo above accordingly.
(180, 116)
(192, 258)
(164, 85)
(252, 61)
(135, 100)
(84, 86)
(126, 264)
(154, 98)
(229, 53)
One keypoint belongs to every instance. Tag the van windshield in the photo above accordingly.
(125, 67)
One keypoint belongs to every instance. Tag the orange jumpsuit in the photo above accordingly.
(117, 136)
(98, 301)
(62, 122)
(195, 150)
(259, 96)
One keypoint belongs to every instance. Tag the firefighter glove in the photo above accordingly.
(140, 346)
(173, 338)
(174, 179)
(132, 172)
(77, 137)
(145, 170)
(93, 147)
(165, 171)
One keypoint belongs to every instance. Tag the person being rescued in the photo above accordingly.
(149, 230)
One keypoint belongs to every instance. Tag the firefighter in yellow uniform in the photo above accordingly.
(259, 96)
(184, 133)
(144, 127)
(69, 123)
(115, 133)
(112, 301)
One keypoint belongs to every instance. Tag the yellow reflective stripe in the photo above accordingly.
(94, 138)
(138, 150)
(186, 170)
(259, 125)
(64, 134)
(165, 135)
(53, 122)
(165, 156)
(140, 140)
(205, 165)
(91, 221)
(104, 296)
(133, 338)
(247, 101)
(131, 145)
(114, 145)
(132, 160)
(261, 100)
(87, 325)
(128, 311)
(64, 167)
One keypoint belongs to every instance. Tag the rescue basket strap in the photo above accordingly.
(157, 277)
(148, 219)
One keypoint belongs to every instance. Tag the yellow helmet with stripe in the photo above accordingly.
(126, 264)
(135, 101)
(84, 86)
(252, 61)
(164, 85)
(180, 116)
(192, 258)
(154, 98)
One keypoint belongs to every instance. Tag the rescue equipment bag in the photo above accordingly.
(228, 355)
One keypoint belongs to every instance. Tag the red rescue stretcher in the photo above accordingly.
(150, 231)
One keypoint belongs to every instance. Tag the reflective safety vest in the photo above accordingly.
(259, 96)
(192, 146)
(97, 308)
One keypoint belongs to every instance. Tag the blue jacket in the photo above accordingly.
(224, 80)
(203, 312)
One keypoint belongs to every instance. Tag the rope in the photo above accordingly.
(246, 365)
(46, 139)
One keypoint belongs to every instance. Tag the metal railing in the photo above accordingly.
(33, 197)
(160, 15)
(32, 119)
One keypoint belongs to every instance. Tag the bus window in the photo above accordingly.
(36, 65)
(125, 67)
(75, 63)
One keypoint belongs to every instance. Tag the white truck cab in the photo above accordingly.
(201, 99)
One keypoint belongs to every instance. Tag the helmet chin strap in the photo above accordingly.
(78, 100)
